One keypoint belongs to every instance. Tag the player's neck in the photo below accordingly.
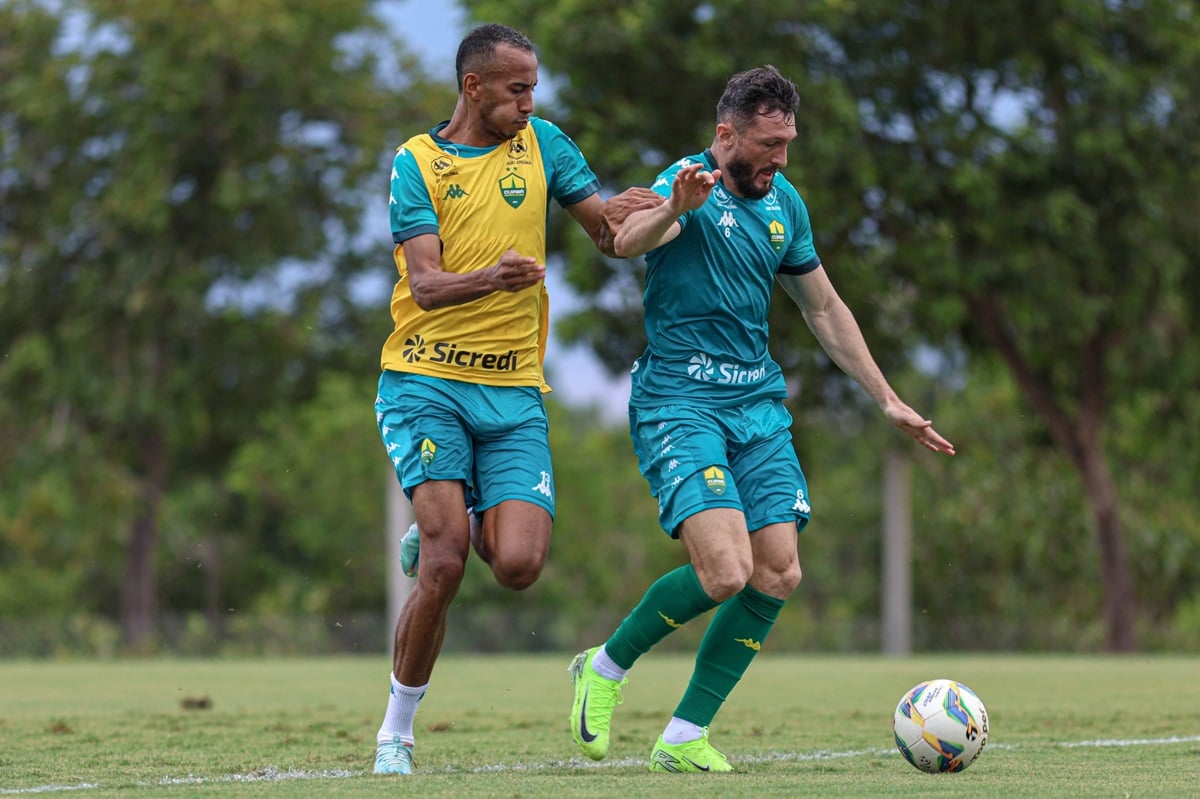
(719, 156)
(465, 128)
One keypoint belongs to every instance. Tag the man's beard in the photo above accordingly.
(742, 173)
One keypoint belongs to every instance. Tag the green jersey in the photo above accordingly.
(708, 292)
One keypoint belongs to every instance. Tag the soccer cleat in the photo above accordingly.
(691, 757)
(595, 700)
(394, 757)
(410, 550)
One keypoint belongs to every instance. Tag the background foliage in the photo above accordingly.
(190, 316)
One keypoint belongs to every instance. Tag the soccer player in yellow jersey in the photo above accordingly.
(460, 398)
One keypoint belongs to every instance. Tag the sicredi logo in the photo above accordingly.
(450, 353)
(702, 367)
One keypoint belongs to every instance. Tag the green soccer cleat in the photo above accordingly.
(691, 757)
(410, 550)
(595, 700)
(394, 757)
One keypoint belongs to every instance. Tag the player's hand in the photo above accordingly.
(691, 187)
(919, 429)
(618, 208)
(514, 272)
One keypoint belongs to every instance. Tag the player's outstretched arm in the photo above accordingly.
(601, 220)
(644, 230)
(838, 332)
(618, 208)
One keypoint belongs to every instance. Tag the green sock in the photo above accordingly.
(671, 602)
(733, 638)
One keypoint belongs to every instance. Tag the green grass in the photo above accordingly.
(496, 727)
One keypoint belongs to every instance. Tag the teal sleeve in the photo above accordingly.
(662, 184)
(409, 207)
(569, 178)
(801, 256)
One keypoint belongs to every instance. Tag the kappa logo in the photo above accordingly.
(543, 487)
(440, 164)
(801, 503)
(414, 349)
(750, 643)
(512, 189)
(670, 622)
(714, 478)
(455, 192)
(727, 223)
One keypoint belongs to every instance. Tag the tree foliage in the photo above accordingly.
(188, 196)
(1015, 180)
(181, 200)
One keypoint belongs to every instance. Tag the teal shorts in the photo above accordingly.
(739, 457)
(495, 439)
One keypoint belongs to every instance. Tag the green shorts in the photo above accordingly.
(495, 439)
(740, 457)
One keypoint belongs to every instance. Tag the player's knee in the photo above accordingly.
(790, 579)
(782, 583)
(441, 575)
(517, 573)
(724, 583)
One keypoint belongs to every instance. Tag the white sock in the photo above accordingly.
(401, 709)
(605, 666)
(679, 731)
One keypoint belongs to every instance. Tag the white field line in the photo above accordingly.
(272, 774)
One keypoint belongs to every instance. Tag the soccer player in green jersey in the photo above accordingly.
(709, 427)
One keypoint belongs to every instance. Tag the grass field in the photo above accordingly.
(496, 727)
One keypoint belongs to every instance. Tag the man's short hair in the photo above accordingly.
(759, 91)
(476, 49)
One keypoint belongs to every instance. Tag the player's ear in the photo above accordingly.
(726, 134)
(472, 85)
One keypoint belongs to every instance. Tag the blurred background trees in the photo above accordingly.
(193, 293)
(1007, 183)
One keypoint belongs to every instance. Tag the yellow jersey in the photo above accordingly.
(480, 202)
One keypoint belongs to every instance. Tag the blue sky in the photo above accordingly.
(432, 28)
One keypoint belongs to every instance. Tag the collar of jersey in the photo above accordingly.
(454, 146)
(459, 149)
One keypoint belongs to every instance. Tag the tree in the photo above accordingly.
(1017, 180)
(1037, 171)
(181, 206)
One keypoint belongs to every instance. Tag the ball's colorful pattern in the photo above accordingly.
(940, 725)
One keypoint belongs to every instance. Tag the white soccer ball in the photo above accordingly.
(940, 725)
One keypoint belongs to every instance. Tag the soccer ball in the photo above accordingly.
(940, 725)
